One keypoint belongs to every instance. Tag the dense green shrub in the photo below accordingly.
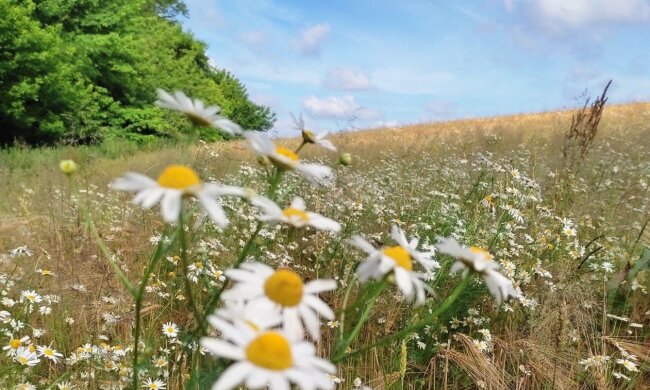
(78, 71)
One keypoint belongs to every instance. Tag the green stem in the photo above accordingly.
(214, 301)
(187, 285)
(441, 309)
(372, 299)
(139, 297)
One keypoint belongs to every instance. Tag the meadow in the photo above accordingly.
(94, 286)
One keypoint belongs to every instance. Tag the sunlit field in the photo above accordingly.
(460, 255)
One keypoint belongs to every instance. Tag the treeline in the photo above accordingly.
(81, 71)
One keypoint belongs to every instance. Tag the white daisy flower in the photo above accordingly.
(14, 345)
(154, 384)
(299, 303)
(24, 356)
(308, 136)
(30, 296)
(287, 159)
(295, 215)
(481, 261)
(49, 353)
(196, 111)
(65, 386)
(25, 386)
(175, 182)
(170, 330)
(399, 260)
(269, 358)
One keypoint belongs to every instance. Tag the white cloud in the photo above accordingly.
(330, 107)
(559, 16)
(311, 40)
(346, 79)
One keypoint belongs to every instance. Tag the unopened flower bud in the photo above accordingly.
(264, 161)
(68, 167)
(345, 159)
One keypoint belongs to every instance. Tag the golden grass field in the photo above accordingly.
(497, 183)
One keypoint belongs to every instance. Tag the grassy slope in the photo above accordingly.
(428, 177)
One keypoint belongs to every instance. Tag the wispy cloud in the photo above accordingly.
(312, 39)
(331, 107)
(562, 16)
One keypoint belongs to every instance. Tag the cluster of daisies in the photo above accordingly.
(269, 315)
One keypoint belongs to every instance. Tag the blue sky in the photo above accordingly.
(397, 62)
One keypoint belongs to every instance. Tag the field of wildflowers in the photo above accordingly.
(438, 256)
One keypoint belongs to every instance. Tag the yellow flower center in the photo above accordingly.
(480, 251)
(31, 297)
(170, 330)
(15, 344)
(153, 386)
(48, 352)
(178, 177)
(284, 287)
(401, 257)
(292, 212)
(32, 348)
(270, 350)
(23, 360)
(286, 153)
(198, 265)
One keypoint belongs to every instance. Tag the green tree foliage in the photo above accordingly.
(85, 70)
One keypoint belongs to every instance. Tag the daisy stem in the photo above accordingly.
(370, 303)
(273, 185)
(440, 310)
(188, 287)
(139, 297)
(300, 147)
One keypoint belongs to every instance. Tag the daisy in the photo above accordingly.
(294, 215)
(174, 183)
(170, 330)
(30, 296)
(308, 137)
(196, 111)
(154, 384)
(25, 386)
(286, 159)
(49, 353)
(398, 260)
(14, 345)
(26, 357)
(481, 261)
(257, 283)
(65, 386)
(269, 358)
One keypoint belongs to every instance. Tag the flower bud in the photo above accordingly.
(345, 159)
(264, 161)
(68, 167)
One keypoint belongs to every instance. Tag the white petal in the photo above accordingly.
(213, 208)
(233, 376)
(149, 197)
(171, 206)
(320, 285)
(292, 324)
(279, 382)
(319, 306)
(133, 182)
(298, 203)
(312, 323)
(361, 243)
(323, 223)
(222, 349)
(327, 144)
(403, 280)
(228, 126)
(260, 143)
(318, 174)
